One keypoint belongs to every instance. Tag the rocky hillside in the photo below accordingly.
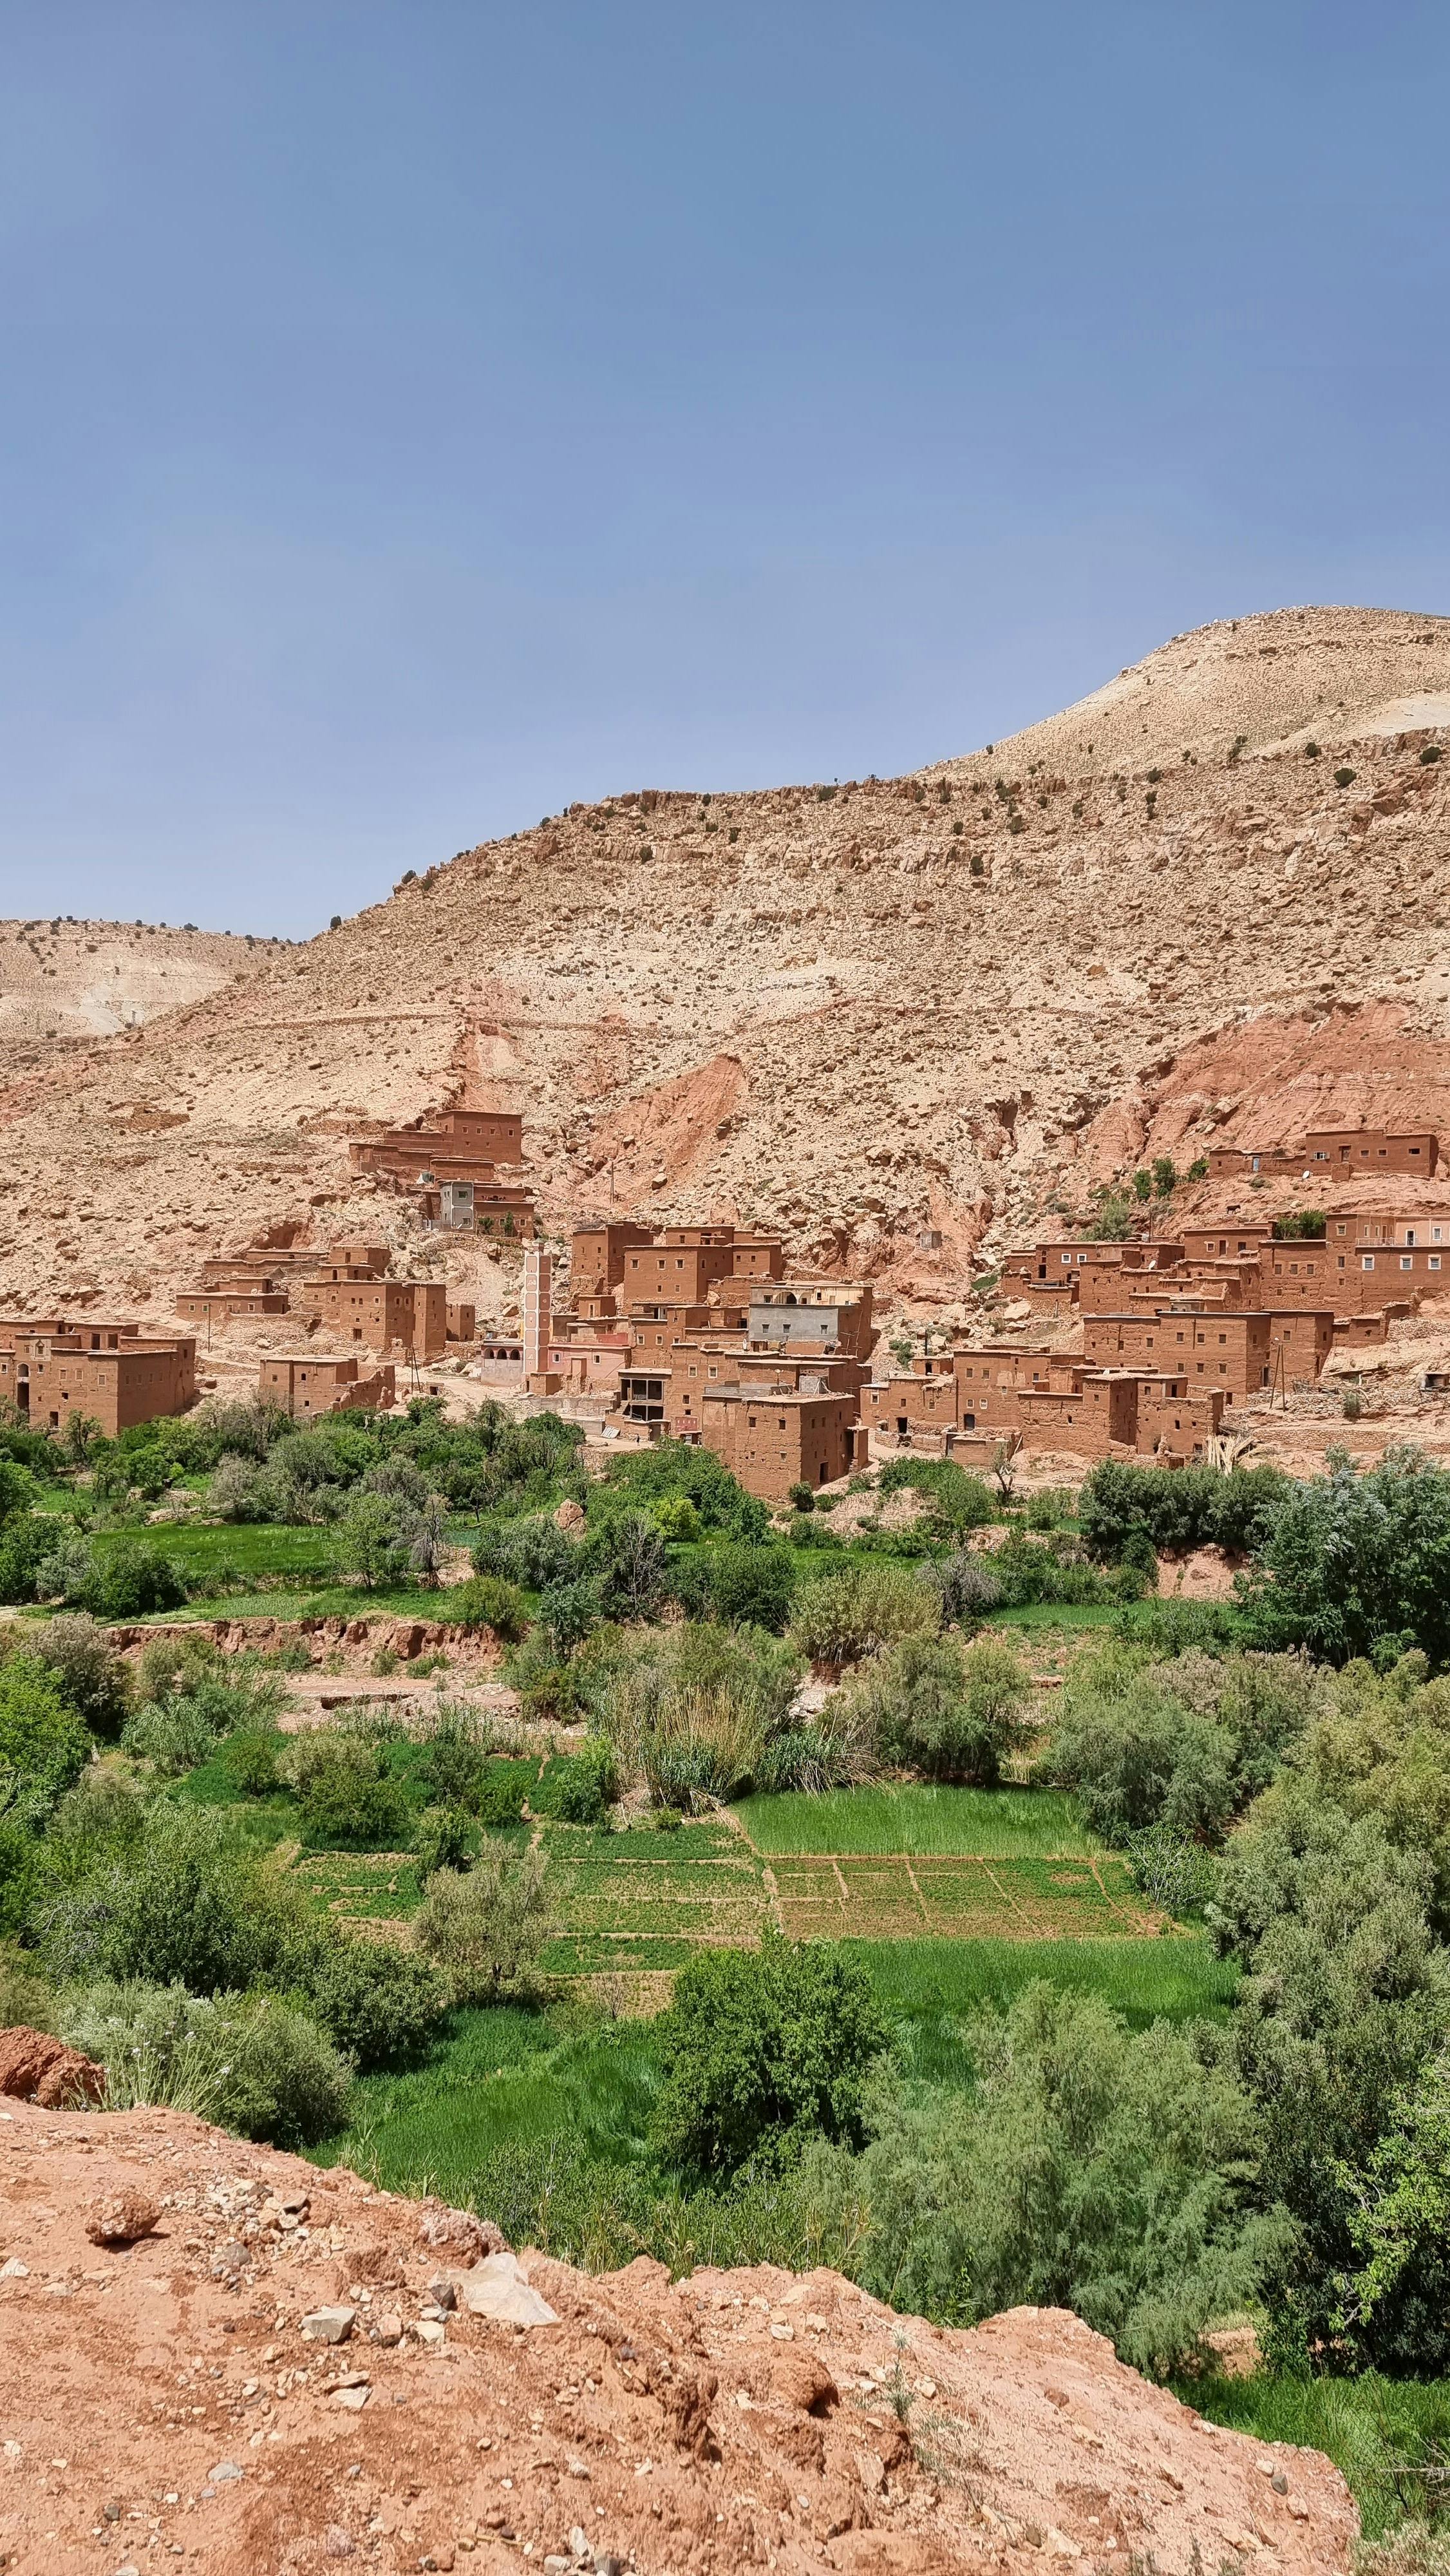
(65, 981)
(1212, 900)
(211, 2351)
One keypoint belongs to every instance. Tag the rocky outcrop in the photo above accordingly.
(295, 2369)
(34, 2067)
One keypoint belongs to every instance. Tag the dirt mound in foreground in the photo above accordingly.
(288, 2373)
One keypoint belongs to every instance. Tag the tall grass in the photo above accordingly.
(1379, 2432)
(930, 1983)
(1002, 1824)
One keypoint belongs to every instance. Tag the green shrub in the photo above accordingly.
(503, 1796)
(132, 1579)
(444, 1838)
(161, 1893)
(692, 1710)
(251, 1760)
(644, 1477)
(1183, 1745)
(181, 1728)
(348, 1797)
(455, 1756)
(488, 1601)
(373, 1540)
(27, 1540)
(1178, 1507)
(533, 1552)
(383, 2006)
(623, 1558)
(959, 1500)
(842, 1616)
(484, 1932)
(255, 2065)
(1343, 2008)
(761, 2050)
(94, 1681)
(1355, 1561)
(587, 1784)
(750, 1586)
(951, 1713)
(547, 1685)
(568, 1613)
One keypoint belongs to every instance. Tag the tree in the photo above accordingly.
(131, 1579)
(1345, 2002)
(625, 1560)
(1182, 1744)
(1086, 2169)
(94, 1681)
(82, 1431)
(1356, 1564)
(761, 2049)
(428, 1540)
(1165, 1176)
(752, 1586)
(43, 1743)
(371, 1541)
(484, 1932)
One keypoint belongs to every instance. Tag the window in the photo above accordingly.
(1407, 1261)
(1366, 1261)
(1434, 1260)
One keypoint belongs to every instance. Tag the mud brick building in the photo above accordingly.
(306, 1384)
(382, 1314)
(109, 1373)
(1226, 1348)
(773, 1438)
(223, 1305)
(1056, 1401)
(1331, 1154)
(470, 1154)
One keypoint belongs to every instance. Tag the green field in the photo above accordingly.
(934, 1986)
(1384, 2434)
(1015, 1824)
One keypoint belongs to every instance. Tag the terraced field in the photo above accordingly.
(831, 1896)
(645, 1900)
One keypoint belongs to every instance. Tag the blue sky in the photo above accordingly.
(413, 417)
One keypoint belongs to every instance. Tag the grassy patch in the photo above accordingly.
(208, 1549)
(935, 1985)
(1012, 1823)
(504, 2078)
(338, 1601)
(1066, 1615)
(1377, 2431)
(361, 1887)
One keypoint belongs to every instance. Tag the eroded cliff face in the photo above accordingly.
(211, 2350)
(863, 1012)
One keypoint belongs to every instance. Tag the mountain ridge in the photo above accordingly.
(868, 1013)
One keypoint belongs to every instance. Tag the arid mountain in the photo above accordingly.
(63, 982)
(870, 1012)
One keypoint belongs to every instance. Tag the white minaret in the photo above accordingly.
(538, 1309)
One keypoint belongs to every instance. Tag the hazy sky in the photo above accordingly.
(414, 417)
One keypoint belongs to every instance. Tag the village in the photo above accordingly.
(1144, 1345)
